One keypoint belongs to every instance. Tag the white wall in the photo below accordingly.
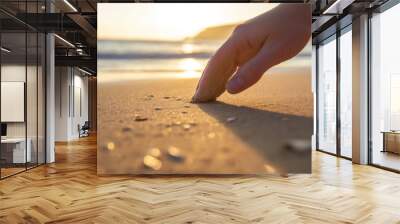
(81, 83)
(62, 81)
(70, 84)
(33, 126)
(15, 73)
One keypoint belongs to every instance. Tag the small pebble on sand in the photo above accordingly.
(126, 129)
(286, 175)
(140, 118)
(270, 169)
(166, 97)
(166, 131)
(150, 96)
(231, 119)
(211, 135)
(155, 152)
(175, 153)
(110, 146)
(157, 108)
(186, 106)
(186, 127)
(184, 112)
(151, 162)
(139, 135)
(177, 123)
(158, 135)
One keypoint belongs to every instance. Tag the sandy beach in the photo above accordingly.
(247, 133)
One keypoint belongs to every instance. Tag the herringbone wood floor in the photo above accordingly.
(69, 191)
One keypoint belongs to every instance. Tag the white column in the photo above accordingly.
(50, 92)
(63, 100)
(50, 99)
(360, 90)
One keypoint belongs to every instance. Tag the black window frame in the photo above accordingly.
(333, 33)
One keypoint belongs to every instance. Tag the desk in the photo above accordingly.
(391, 141)
(16, 147)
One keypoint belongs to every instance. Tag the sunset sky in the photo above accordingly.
(175, 21)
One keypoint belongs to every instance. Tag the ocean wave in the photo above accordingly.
(146, 56)
(147, 70)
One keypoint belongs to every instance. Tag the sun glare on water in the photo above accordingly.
(191, 68)
(187, 48)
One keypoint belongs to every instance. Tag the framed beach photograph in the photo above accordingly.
(161, 111)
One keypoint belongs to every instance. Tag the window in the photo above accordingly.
(346, 93)
(394, 102)
(327, 96)
(385, 89)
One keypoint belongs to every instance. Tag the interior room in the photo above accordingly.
(71, 100)
(22, 100)
(49, 145)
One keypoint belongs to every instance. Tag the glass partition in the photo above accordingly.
(32, 95)
(32, 87)
(22, 66)
(13, 94)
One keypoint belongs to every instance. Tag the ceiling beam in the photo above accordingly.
(83, 23)
(78, 61)
(337, 7)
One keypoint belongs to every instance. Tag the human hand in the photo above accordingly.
(254, 47)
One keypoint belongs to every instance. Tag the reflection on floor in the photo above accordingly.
(346, 152)
(69, 191)
(12, 169)
(387, 159)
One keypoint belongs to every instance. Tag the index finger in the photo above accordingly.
(217, 72)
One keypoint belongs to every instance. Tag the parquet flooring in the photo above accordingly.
(69, 191)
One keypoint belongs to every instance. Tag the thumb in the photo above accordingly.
(249, 73)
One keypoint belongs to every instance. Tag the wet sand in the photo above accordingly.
(239, 134)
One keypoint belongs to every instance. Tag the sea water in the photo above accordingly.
(122, 60)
